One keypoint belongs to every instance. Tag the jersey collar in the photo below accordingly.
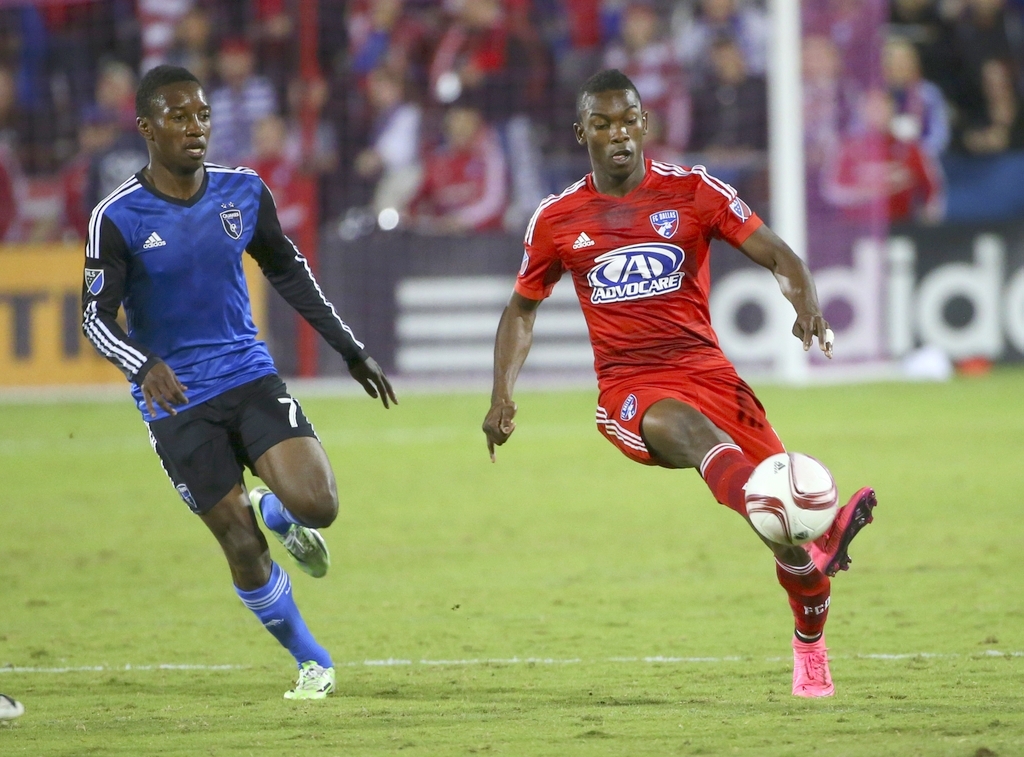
(174, 200)
(643, 182)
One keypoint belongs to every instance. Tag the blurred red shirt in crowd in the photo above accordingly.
(464, 186)
(884, 171)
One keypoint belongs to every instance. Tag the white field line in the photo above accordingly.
(399, 662)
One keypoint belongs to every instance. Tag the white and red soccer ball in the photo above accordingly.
(791, 498)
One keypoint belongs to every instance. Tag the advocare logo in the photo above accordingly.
(636, 272)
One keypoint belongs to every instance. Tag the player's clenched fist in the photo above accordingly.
(498, 424)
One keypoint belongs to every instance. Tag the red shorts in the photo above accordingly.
(720, 394)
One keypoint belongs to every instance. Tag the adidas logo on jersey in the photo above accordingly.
(583, 241)
(153, 241)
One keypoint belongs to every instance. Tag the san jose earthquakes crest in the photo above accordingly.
(665, 222)
(94, 280)
(231, 220)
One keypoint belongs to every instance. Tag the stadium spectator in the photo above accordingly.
(730, 109)
(242, 100)
(986, 104)
(487, 55)
(12, 183)
(116, 161)
(852, 26)
(877, 173)
(646, 57)
(920, 22)
(193, 44)
(748, 25)
(97, 132)
(828, 97)
(479, 56)
(574, 31)
(277, 158)
(158, 19)
(920, 109)
(386, 34)
(392, 160)
(464, 178)
(115, 92)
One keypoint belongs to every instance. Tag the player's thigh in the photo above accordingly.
(653, 420)
(198, 456)
(678, 434)
(275, 435)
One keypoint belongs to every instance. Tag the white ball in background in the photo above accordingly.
(388, 219)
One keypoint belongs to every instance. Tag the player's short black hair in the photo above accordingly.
(604, 81)
(154, 79)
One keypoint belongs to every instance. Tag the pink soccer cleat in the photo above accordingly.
(811, 677)
(829, 551)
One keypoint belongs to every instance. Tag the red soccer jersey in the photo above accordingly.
(639, 264)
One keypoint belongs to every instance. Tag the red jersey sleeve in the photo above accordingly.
(725, 214)
(541, 268)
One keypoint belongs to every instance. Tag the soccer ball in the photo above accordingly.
(791, 498)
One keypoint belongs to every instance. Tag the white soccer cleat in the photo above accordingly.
(315, 682)
(304, 544)
(12, 708)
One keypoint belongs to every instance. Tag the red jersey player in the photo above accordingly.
(634, 236)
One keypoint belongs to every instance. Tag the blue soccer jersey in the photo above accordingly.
(176, 267)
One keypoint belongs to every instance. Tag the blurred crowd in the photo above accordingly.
(452, 116)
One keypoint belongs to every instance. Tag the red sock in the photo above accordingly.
(725, 470)
(809, 591)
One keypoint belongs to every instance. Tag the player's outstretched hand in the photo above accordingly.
(809, 326)
(498, 424)
(162, 386)
(372, 377)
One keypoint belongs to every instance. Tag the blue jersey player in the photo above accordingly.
(167, 245)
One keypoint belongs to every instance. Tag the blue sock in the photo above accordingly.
(275, 515)
(274, 606)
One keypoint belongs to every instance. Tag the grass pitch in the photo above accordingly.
(563, 601)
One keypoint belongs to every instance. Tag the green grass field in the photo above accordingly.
(563, 601)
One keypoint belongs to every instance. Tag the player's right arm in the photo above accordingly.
(511, 346)
(538, 275)
(107, 259)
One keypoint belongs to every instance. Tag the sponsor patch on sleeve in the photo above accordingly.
(94, 280)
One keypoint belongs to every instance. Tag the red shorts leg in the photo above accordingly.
(721, 395)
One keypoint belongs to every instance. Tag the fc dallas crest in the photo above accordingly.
(665, 222)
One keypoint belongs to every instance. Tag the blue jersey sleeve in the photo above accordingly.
(106, 269)
(288, 271)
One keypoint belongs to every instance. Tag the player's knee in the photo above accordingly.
(316, 505)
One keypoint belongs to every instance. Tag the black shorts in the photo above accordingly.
(203, 449)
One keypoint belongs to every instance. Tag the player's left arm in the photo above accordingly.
(767, 249)
(289, 273)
